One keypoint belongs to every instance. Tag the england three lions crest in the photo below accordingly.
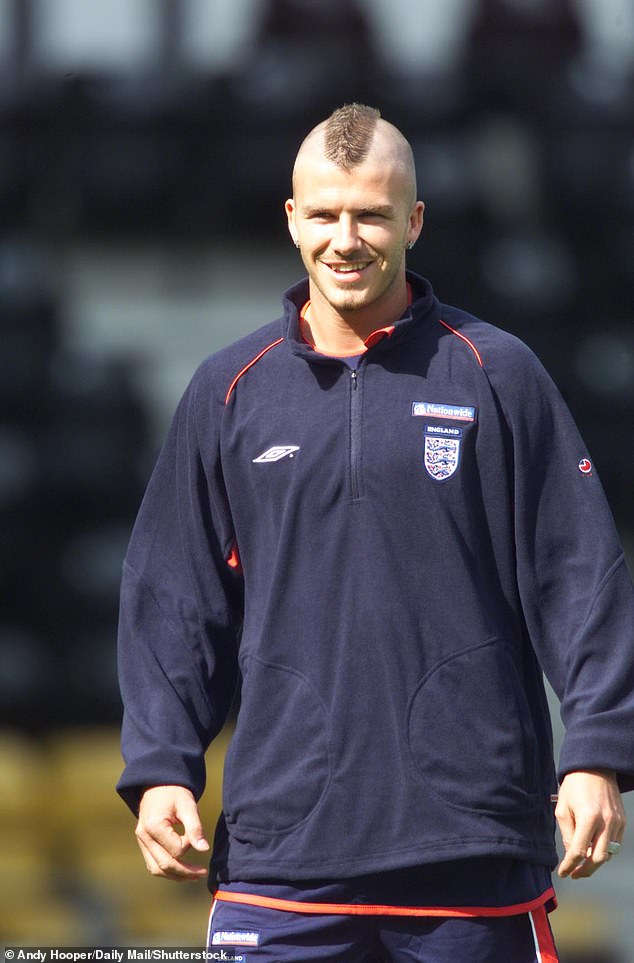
(442, 451)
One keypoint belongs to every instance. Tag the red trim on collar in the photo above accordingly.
(371, 340)
(378, 335)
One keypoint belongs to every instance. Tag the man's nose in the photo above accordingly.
(347, 236)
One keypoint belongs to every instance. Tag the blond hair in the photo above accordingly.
(348, 134)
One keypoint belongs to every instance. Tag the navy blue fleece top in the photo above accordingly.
(387, 559)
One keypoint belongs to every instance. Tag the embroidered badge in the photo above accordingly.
(585, 466)
(427, 409)
(235, 938)
(442, 451)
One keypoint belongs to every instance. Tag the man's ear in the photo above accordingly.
(416, 220)
(289, 207)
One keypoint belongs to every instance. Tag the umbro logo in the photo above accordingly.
(276, 453)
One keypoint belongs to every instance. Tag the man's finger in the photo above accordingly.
(160, 863)
(566, 824)
(193, 832)
(612, 833)
(574, 860)
(578, 839)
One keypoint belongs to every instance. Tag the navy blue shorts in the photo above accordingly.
(241, 933)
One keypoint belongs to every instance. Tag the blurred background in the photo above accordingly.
(146, 148)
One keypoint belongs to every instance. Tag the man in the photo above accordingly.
(387, 502)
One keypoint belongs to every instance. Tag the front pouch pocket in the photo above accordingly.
(470, 732)
(278, 765)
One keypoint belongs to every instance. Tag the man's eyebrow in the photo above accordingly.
(376, 209)
(309, 209)
(385, 209)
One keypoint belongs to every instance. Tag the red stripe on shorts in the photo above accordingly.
(544, 942)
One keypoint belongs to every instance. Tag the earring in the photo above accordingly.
(297, 245)
(410, 245)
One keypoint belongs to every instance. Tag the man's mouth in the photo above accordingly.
(349, 267)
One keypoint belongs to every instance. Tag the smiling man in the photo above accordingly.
(352, 215)
(376, 516)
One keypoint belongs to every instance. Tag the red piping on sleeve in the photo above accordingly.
(465, 339)
(244, 370)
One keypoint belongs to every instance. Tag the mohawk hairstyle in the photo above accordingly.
(348, 134)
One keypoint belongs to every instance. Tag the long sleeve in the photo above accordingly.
(576, 592)
(181, 608)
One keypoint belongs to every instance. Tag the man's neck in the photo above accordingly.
(345, 332)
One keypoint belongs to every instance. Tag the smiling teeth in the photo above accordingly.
(347, 268)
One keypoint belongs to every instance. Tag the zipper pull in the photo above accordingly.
(353, 375)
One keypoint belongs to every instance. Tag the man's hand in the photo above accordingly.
(590, 815)
(162, 809)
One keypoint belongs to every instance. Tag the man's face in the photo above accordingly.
(353, 228)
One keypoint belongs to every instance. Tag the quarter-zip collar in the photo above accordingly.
(423, 310)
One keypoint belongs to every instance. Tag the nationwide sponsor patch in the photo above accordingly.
(430, 409)
(235, 938)
(441, 455)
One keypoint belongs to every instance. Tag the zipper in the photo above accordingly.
(355, 434)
